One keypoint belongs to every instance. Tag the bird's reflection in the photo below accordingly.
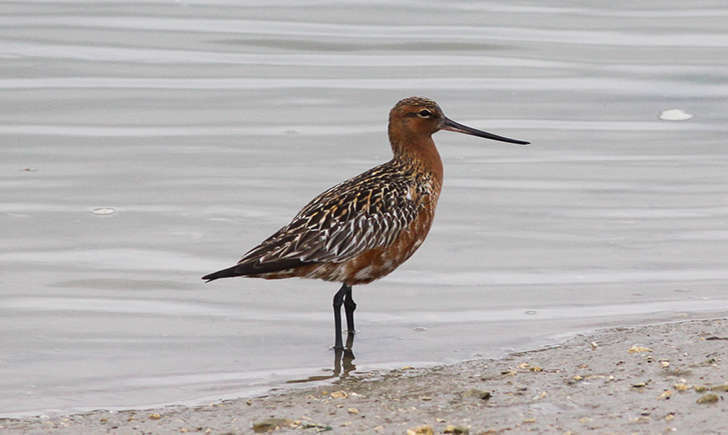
(343, 364)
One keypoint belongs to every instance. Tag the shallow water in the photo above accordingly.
(203, 126)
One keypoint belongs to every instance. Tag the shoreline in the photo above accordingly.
(653, 378)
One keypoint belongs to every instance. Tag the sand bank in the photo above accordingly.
(647, 379)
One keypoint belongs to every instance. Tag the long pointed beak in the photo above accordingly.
(451, 125)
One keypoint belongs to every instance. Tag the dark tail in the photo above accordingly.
(254, 268)
(225, 273)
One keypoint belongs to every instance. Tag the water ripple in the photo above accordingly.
(612, 86)
(368, 32)
(332, 130)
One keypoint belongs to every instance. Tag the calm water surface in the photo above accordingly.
(204, 126)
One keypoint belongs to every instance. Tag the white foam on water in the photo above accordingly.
(103, 211)
(675, 115)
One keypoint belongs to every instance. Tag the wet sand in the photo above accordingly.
(645, 379)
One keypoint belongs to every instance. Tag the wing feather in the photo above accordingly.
(365, 212)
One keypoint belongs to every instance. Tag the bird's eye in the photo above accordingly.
(424, 114)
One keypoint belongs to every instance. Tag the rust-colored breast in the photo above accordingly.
(379, 262)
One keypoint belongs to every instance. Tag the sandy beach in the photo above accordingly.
(662, 378)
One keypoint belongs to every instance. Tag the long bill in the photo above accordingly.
(451, 125)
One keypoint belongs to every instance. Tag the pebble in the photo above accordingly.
(420, 430)
(339, 395)
(708, 398)
(457, 430)
(665, 395)
(482, 395)
(681, 386)
(271, 424)
(723, 387)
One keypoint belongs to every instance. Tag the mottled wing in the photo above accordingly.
(362, 213)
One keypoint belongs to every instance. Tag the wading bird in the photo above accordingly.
(363, 228)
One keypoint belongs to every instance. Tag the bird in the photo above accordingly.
(365, 227)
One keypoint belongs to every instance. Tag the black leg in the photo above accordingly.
(345, 357)
(338, 353)
(349, 307)
(343, 364)
(348, 357)
(338, 300)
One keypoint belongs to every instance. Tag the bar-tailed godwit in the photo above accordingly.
(365, 227)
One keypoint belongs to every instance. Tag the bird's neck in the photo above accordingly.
(421, 153)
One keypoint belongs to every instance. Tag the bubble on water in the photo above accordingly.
(103, 211)
(675, 115)
(530, 312)
(420, 329)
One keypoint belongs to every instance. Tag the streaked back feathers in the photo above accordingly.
(366, 212)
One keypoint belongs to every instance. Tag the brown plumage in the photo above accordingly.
(365, 227)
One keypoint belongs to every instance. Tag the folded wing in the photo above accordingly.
(363, 213)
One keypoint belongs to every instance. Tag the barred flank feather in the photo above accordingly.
(366, 212)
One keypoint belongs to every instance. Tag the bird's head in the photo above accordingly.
(415, 119)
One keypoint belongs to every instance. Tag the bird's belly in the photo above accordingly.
(379, 262)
